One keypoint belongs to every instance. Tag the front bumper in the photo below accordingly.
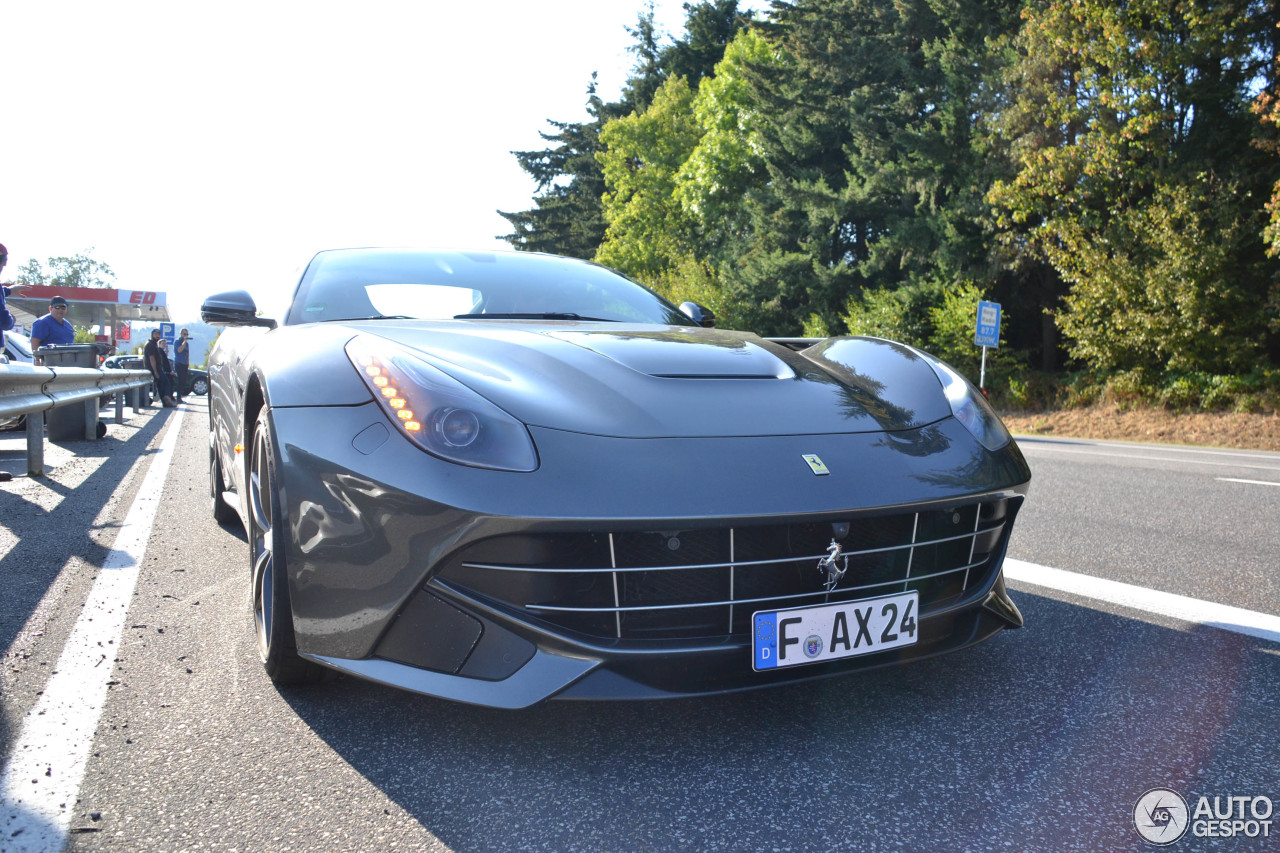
(554, 674)
(380, 532)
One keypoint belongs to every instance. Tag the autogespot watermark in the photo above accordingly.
(1162, 817)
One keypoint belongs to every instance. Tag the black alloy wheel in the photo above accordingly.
(272, 613)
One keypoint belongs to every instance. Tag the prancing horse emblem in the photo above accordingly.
(816, 465)
(827, 565)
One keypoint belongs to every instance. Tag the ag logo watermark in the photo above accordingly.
(1162, 817)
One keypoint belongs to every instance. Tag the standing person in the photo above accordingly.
(158, 363)
(6, 319)
(6, 323)
(53, 327)
(181, 360)
(166, 364)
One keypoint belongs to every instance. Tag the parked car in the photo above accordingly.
(115, 361)
(501, 478)
(197, 380)
(17, 347)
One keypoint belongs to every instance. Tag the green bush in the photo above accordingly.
(1256, 391)
(1027, 391)
(895, 313)
(940, 320)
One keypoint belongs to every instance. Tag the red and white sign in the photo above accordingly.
(97, 294)
(141, 297)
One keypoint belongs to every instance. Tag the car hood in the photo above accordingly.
(664, 381)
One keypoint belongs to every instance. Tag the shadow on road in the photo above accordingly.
(51, 521)
(1042, 738)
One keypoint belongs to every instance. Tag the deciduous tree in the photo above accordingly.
(648, 230)
(1136, 179)
(79, 270)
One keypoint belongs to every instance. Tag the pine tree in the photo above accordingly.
(875, 172)
(568, 215)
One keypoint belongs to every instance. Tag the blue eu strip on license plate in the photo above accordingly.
(826, 632)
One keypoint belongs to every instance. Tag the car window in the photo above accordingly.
(358, 283)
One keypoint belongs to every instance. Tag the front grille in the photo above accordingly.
(706, 582)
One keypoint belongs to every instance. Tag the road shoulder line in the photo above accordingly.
(1251, 623)
(40, 783)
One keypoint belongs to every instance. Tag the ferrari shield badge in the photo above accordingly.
(831, 566)
(816, 464)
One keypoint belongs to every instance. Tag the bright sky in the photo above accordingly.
(212, 146)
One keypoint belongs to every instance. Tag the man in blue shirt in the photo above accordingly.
(53, 327)
(182, 361)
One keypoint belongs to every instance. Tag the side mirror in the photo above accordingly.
(699, 314)
(233, 308)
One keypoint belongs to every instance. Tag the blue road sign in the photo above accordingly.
(167, 332)
(988, 330)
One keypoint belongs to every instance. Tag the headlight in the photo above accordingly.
(438, 413)
(969, 406)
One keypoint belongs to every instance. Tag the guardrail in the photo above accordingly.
(32, 391)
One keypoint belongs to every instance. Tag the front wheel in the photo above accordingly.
(272, 613)
(200, 386)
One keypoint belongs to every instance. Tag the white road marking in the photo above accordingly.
(1086, 451)
(1050, 443)
(1251, 623)
(1247, 482)
(39, 785)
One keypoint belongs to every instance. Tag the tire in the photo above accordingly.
(200, 386)
(269, 596)
(223, 513)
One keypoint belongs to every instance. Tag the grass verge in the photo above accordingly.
(1239, 430)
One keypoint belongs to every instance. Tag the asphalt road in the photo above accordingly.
(1042, 739)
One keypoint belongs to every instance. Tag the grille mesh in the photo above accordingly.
(706, 583)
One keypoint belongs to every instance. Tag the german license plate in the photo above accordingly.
(803, 635)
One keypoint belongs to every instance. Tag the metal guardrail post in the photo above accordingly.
(139, 398)
(35, 444)
(91, 418)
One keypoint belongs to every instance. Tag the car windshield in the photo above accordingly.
(352, 284)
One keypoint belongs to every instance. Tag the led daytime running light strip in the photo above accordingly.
(390, 395)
